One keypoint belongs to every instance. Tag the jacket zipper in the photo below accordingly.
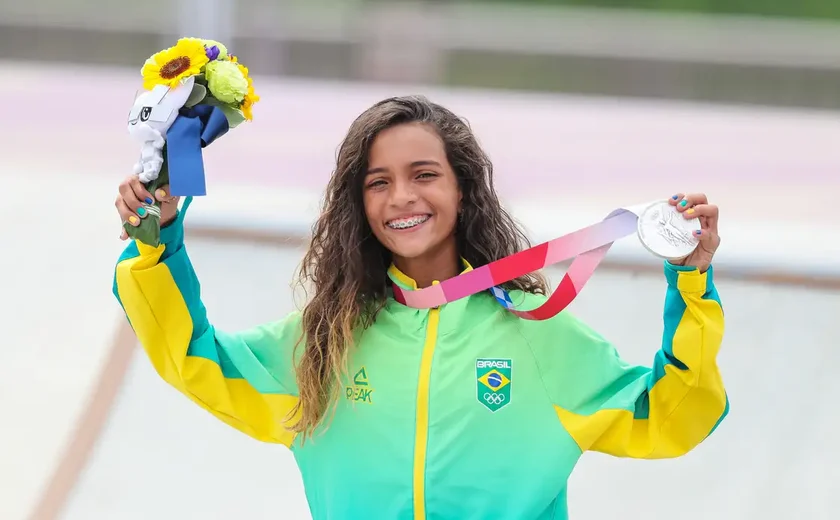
(421, 434)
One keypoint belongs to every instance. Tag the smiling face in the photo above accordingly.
(412, 199)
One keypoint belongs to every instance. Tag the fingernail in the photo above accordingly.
(675, 197)
(683, 202)
(697, 232)
(160, 194)
(141, 212)
(149, 200)
(689, 211)
(133, 220)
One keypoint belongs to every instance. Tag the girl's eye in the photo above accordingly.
(376, 183)
(427, 175)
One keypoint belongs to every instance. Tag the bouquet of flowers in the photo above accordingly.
(194, 92)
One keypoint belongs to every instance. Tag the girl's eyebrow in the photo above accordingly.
(414, 164)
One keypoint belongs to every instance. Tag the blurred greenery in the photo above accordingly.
(779, 8)
(96, 31)
(590, 75)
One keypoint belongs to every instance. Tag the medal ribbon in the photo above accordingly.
(587, 246)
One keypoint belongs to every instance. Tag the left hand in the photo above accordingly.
(697, 205)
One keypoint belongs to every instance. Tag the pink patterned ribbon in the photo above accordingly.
(587, 246)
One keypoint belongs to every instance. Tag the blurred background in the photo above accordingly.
(778, 52)
(584, 105)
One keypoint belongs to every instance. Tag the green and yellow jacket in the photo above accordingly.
(434, 397)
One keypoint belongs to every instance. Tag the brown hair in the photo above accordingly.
(346, 264)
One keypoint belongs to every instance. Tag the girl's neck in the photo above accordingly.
(435, 266)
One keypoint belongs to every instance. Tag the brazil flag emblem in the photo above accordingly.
(493, 382)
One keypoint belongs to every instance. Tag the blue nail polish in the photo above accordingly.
(697, 232)
(683, 203)
(675, 197)
(141, 211)
(148, 200)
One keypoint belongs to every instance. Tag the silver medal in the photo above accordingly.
(666, 233)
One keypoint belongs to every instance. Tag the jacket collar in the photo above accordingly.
(413, 320)
(408, 283)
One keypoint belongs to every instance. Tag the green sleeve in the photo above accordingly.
(661, 411)
(245, 379)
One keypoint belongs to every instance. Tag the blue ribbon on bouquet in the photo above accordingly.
(193, 129)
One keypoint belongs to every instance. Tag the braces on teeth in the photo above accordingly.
(408, 223)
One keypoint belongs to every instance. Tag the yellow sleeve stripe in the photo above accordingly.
(679, 419)
(161, 319)
(678, 402)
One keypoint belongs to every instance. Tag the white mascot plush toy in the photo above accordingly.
(154, 111)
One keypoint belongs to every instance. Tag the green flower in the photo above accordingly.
(223, 52)
(226, 82)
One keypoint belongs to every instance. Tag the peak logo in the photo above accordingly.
(359, 391)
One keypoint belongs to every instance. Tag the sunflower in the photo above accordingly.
(250, 97)
(248, 103)
(170, 66)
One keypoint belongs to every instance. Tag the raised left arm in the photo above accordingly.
(661, 411)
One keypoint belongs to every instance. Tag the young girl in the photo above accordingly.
(395, 412)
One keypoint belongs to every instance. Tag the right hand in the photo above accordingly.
(132, 196)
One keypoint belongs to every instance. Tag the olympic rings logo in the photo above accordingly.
(494, 398)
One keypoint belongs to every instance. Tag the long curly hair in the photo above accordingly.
(347, 266)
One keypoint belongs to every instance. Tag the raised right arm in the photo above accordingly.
(245, 379)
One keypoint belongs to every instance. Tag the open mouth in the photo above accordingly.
(407, 222)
